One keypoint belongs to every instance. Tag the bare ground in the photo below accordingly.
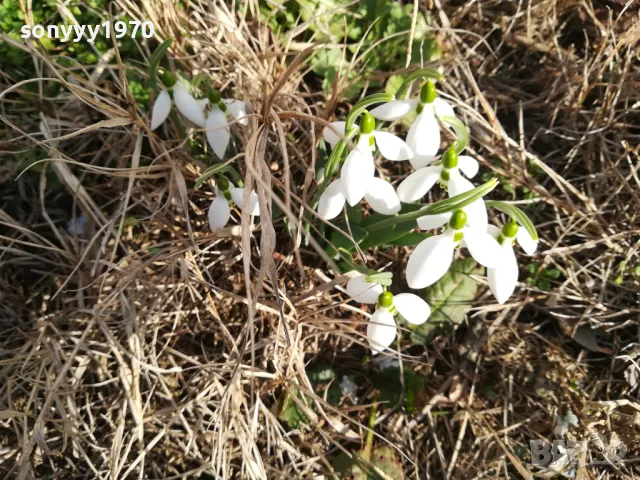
(140, 347)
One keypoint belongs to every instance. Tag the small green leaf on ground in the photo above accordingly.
(290, 413)
(390, 386)
(357, 468)
(450, 298)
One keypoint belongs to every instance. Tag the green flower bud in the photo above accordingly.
(428, 92)
(168, 80)
(510, 229)
(223, 184)
(214, 96)
(450, 158)
(367, 124)
(385, 299)
(458, 220)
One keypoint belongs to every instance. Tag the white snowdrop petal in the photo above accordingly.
(237, 195)
(421, 161)
(334, 132)
(430, 222)
(382, 197)
(362, 291)
(443, 108)
(528, 244)
(392, 147)
(424, 135)
(503, 280)
(331, 201)
(219, 212)
(477, 211)
(494, 231)
(161, 109)
(394, 110)
(381, 330)
(483, 247)
(412, 308)
(430, 260)
(468, 165)
(237, 109)
(416, 185)
(357, 171)
(187, 105)
(217, 132)
(203, 102)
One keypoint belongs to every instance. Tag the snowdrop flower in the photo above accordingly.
(362, 291)
(380, 195)
(358, 169)
(418, 184)
(391, 147)
(226, 195)
(217, 128)
(162, 105)
(381, 328)
(424, 135)
(503, 279)
(187, 105)
(161, 109)
(432, 257)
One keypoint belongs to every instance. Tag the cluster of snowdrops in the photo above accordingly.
(461, 221)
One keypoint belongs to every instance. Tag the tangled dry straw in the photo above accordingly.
(155, 349)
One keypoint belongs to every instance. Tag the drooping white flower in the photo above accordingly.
(424, 135)
(363, 292)
(420, 182)
(380, 195)
(432, 257)
(220, 209)
(358, 169)
(357, 172)
(217, 131)
(161, 109)
(187, 105)
(237, 109)
(504, 278)
(391, 147)
(381, 328)
(217, 124)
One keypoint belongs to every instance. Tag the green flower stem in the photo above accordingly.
(422, 73)
(373, 414)
(444, 206)
(360, 107)
(514, 212)
(462, 134)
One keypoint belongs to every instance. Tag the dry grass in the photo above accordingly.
(155, 349)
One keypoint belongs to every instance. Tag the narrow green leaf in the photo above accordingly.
(154, 62)
(413, 76)
(462, 133)
(444, 206)
(213, 169)
(515, 213)
(361, 106)
(411, 239)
